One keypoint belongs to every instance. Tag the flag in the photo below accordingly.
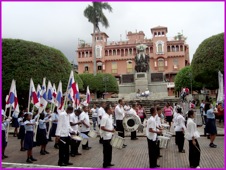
(33, 94)
(77, 101)
(43, 97)
(72, 90)
(87, 95)
(50, 92)
(54, 93)
(12, 99)
(59, 98)
(39, 91)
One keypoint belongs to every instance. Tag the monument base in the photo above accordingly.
(141, 81)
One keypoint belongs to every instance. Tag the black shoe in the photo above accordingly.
(183, 151)
(157, 166)
(33, 159)
(29, 161)
(105, 166)
(111, 165)
(101, 142)
(124, 145)
(42, 152)
(5, 156)
(46, 152)
(213, 145)
(69, 163)
(62, 164)
(72, 155)
(56, 146)
(78, 154)
(86, 148)
(160, 156)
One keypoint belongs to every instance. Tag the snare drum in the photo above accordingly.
(92, 134)
(167, 135)
(117, 142)
(84, 141)
(165, 125)
(77, 138)
(163, 141)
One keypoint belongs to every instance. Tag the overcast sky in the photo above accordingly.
(61, 24)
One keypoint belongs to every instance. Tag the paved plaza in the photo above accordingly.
(135, 155)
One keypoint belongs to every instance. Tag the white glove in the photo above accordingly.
(36, 123)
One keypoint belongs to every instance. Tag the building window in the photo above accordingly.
(161, 64)
(114, 52)
(129, 66)
(130, 51)
(175, 61)
(99, 68)
(86, 69)
(160, 47)
(98, 51)
(114, 67)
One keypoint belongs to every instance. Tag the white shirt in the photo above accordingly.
(126, 108)
(191, 130)
(94, 112)
(63, 125)
(132, 111)
(85, 117)
(74, 119)
(151, 123)
(119, 112)
(175, 119)
(107, 122)
(101, 112)
(180, 123)
(158, 121)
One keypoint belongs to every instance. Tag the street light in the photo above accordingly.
(105, 80)
(190, 74)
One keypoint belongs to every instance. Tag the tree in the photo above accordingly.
(22, 60)
(97, 83)
(95, 15)
(208, 60)
(183, 79)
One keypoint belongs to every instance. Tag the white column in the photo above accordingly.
(116, 51)
(108, 52)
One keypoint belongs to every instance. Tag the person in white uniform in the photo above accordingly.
(101, 113)
(151, 133)
(192, 134)
(133, 112)
(119, 115)
(107, 132)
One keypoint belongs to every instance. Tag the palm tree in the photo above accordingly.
(95, 15)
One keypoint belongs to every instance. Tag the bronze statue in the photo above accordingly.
(141, 60)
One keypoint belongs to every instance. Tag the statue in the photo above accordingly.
(141, 60)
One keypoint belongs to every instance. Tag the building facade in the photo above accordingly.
(167, 56)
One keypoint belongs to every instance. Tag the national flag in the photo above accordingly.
(43, 97)
(72, 90)
(77, 101)
(39, 91)
(87, 95)
(33, 94)
(59, 98)
(54, 93)
(12, 99)
(50, 92)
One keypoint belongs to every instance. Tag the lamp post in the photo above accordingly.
(105, 80)
(190, 74)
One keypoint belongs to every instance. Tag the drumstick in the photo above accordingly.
(63, 141)
(197, 148)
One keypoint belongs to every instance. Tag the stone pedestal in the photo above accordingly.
(141, 81)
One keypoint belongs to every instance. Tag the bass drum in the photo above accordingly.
(131, 122)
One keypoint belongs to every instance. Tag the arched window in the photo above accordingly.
(129, 66)
(159, 47)
(98, 51)
(161, 64)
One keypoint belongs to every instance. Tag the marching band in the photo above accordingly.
(73, 126)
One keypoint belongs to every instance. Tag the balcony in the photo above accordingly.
(170, 85)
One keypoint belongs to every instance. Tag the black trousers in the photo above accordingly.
(87, 144)
(194, 154)
(133, 134)
(64, 150)
(107, 152)
(180, 140)
(152, 151)
(74, 146)
(119, 127)
(158, 148)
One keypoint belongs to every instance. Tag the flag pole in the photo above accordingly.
(51, 122)
(29, 96)
(7, 135)
(66, 97)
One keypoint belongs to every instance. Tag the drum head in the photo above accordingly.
(78, 138)
(131, 122)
